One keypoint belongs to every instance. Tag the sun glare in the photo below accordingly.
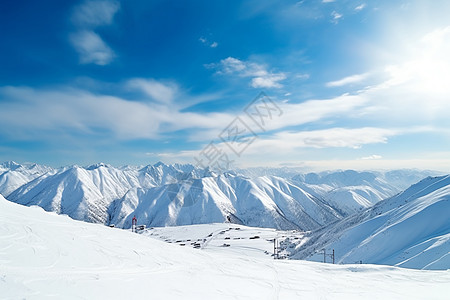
(427, 68)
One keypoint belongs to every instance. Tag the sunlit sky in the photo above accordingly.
(358, 84)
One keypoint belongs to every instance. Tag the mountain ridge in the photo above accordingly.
(101, 193)
(410, 229)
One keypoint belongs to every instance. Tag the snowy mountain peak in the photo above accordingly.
(98, 165)
(159, 164)
(14, 175)
(10, 165)
(181, 194)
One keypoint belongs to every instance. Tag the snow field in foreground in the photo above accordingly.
(46, 256)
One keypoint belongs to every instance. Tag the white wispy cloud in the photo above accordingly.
(268, 81)
(360, 7)
(229, 65)
(336, 16)
(184, 156)
(158, 91)
(37, 113)
(439, 164)
(371, 157)
(48, 113)
(288, 144)
(294, 114)
(348, 80)
(89, 45)
(316, 110)
(355, 138)
(91, 48)
(437, 37)
(261, 77)
(302, 76)
(328, 1)
(95, 13)
(73, 110)
(206, 42)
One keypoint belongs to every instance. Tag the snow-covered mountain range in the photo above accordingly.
(14, 175)
(410, 229)
(363, 216)
(160, 194)
(264, 202)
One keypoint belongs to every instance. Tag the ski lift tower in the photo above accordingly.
(133, 224)
(325, 255)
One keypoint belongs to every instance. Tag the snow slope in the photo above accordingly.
(82, 193)
(48, 256)
(349, 200)
(411, 229)
(262, 202)
(221, 237)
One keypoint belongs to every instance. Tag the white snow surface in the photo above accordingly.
(49, 256)
(263, 202)
(162, 195)
(224, 237)
(177, 194)
(14, 175)
(411, 229)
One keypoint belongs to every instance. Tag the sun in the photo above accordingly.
(426, 68)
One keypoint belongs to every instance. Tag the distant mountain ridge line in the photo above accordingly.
(163, 194)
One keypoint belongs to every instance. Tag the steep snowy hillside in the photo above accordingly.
(411, 229)
(173, 195)
(82, 193)
(46, 256)
(352, 199)
(349, 191)
(160, 174)
(14, 175)
(262, 202)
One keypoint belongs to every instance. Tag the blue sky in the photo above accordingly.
(357, 84)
